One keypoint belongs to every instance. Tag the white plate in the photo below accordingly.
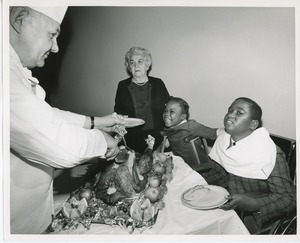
(204, 197)
(133, 122)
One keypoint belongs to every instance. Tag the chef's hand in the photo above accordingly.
(109, 123)
(112, 147)
(240, 202)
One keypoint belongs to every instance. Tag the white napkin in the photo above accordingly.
(252, 157)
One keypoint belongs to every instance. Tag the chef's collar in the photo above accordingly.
(27, 73)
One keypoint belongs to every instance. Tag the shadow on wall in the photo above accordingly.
(48, 75)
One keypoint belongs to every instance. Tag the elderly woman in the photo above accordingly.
(141, 96)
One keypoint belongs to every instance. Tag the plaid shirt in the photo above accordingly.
(275, 196)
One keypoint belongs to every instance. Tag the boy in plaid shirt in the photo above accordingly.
(251, 167)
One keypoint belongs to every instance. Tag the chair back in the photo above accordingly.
(191, 139)
(288, 146)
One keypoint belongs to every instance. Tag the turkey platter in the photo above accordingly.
(128, 193)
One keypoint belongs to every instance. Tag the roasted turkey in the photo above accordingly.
(126, 177)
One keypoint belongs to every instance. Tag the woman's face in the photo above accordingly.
(238, 122)
(173, 115)
(138, 66)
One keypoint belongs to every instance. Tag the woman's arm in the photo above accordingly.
(120, 102)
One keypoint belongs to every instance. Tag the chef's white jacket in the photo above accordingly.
(41, 138)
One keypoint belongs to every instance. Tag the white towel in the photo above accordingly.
(252, 157)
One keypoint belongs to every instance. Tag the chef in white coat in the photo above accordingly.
(43, 138)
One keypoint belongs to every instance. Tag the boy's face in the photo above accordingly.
(172, 115)
(238, 122)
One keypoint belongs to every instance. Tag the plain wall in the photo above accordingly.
(207, 55)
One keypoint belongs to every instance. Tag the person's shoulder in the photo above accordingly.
(155, 79)
(185, 125)
(193, 125)
(193, 122)
(125, 81)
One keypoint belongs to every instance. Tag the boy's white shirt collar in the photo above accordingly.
(184, 121)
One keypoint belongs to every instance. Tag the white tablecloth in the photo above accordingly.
(176, 218)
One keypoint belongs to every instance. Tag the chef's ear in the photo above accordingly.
(17, 16)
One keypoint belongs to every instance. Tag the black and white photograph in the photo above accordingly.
(150, 120)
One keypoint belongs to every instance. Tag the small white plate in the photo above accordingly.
(133, 122)
(204, 197)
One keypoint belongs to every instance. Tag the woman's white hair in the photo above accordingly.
(135, 50)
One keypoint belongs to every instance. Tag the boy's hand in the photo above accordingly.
(240, 202)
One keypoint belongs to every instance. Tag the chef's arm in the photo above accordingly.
(40, 135)
(104, 123)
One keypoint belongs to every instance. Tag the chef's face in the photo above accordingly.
(173, 115)
(138, 66)
(238, 121)
(38, 39)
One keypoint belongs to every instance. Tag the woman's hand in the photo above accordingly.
(241, 202)
(108, 123)
(112, 146)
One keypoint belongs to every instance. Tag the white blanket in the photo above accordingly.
(252, 157)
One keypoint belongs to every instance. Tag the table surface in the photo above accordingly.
(175, 218)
